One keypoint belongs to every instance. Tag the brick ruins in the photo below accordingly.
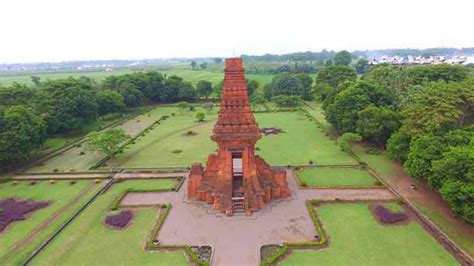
(235, 179)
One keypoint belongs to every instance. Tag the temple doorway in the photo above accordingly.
(237, 175)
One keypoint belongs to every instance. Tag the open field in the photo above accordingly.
(214, 74)
(167, 145)
(324, 176)
(21, 238)
(80, 158)
(356, 238)
(87, 241)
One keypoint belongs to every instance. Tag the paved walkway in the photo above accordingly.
(237, 240)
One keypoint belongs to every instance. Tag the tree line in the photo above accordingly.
(423, 115)
(29, 114)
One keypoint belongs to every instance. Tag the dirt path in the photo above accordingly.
(282, 221)
(40, 227)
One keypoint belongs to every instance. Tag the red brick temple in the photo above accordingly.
(235, 179)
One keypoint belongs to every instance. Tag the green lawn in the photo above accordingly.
(75, 160)
(389, 170)
(60, 194)
(88, 242)
(167, 146)
(301, 142)
(316, 110)
(325, 176)
(357, 239)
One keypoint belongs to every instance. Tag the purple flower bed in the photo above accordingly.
(120, 220)
(387, 216)
(12, 210)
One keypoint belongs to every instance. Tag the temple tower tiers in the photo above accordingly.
(235, 179)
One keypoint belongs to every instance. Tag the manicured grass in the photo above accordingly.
(60, 194)
(315, 109)
(87, 241)
(72, 158)
(166, 145)
(389, 170)
(301, 142)
(324, 176)
(357, 239)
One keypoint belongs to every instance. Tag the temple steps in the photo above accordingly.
(238, 206)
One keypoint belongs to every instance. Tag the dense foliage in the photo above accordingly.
(108, 141)
(65, 106)
(290, 85)
(423, 114)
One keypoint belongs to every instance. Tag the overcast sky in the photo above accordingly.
(48, 30)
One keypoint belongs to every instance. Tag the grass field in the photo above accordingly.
(315, 109)
(215, 74)
(324, 176)
(301, 142)
(87, 241)
(75, 160)
(357, 239)
(166, 145)
(61, 194)
(388, 169)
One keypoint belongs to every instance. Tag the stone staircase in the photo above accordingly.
(238, 202)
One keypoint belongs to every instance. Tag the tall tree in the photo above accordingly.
(204, 88)
(439, 108)
(377, 123)
(286, 84)
(21, 131)
(362, 66)
(334, 76)
(73, 104)
(108, 141)
(343, 58)
(203, 65)
(110, 102)
(423, 151)
(252, 86)
(193, 64)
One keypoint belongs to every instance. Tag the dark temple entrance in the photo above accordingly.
(237, 175)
